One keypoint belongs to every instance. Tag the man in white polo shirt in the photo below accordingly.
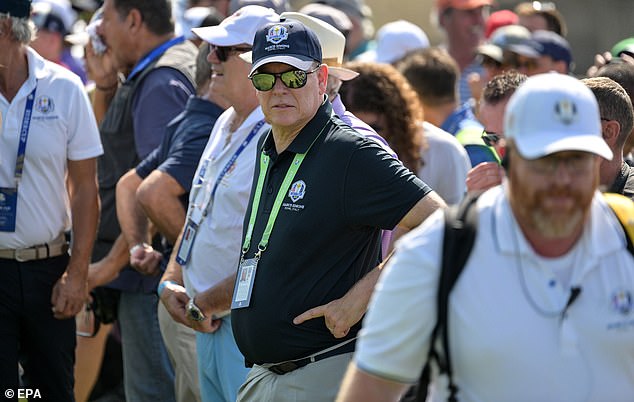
(543, 309)
(198, 283)
(48, 145)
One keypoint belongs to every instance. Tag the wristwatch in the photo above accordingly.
(194, 312)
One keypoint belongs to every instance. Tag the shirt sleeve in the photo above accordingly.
(84, 141)
(184, 155)
(161, 97)
(380, 190)
(394, 341)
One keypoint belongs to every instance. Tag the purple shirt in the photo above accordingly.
(365, 130)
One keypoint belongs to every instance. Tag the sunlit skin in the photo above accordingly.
(114, 31)
(533, 22)
(228, 79)
(489, 174)
(465, 31)
(289, 110)
(551, 197)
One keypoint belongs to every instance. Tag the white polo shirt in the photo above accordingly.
(216, 250)
(508, 339)
(62, 128)
(446, 164)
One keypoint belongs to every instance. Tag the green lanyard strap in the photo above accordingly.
(286, 184)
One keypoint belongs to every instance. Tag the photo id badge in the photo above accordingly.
(8, 207)
(187, 241)
(244, 283)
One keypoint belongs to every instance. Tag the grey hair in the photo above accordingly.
(22, 29)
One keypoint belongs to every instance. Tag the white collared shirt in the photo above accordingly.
(507, 336)
(216, 250)
(62, 128)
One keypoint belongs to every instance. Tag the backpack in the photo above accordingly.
(461, 223)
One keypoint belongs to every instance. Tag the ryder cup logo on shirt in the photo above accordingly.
(297, 191)
(566, 111)
(44, 104)
(276, 34)
(622, 301)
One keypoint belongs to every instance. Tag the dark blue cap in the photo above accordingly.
(289, 42)
(553, 45)
(16, 8)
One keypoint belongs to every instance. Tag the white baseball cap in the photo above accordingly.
(240, 27)
(394, 40)
(552, 113)
(332, 43)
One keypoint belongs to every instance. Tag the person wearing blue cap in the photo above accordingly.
(550, 51)
(321, 195)
(49, 143)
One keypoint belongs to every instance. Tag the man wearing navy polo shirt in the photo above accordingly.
(321, 195)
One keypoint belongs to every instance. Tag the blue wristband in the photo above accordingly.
(161, 287)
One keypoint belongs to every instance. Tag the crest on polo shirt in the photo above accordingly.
(44, 104)
(297, 190)
(566, 111)
(621, 301)
(276, 34)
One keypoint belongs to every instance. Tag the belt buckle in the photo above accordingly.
(21, 254)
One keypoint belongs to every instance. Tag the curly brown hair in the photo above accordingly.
(381, 89)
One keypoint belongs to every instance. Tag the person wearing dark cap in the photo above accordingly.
(321, 195)
(550, 51)
(47, 188)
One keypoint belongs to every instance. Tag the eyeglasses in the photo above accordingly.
(223, 52)
(490, 138)
(291, 79)
(576, 164)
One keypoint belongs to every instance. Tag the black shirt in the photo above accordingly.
(324, 240)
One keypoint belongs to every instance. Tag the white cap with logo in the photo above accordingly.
(552, 113)
(239, 28)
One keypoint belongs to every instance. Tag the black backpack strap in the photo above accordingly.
(459, 236)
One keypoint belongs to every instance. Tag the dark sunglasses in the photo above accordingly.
(223, 52)
(490, 138)
(292, 79)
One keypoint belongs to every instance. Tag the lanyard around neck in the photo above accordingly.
(153, 55)
(24, 134)
(257, 195)
(230, 163)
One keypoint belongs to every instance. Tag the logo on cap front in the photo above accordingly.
(566, 111)
(276, 34)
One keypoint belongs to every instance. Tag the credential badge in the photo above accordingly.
(276, 34)
(297, 191)
(566, 111)
(44, 104)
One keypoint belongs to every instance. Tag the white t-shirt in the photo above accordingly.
(507, 337)
(446, 164)
(216, 249)
(62, 128)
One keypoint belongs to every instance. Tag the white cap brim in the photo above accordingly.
(538, 145)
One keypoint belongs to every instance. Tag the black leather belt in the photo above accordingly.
(292, 365)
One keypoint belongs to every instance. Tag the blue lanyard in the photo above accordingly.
(24, 134)
(153, 55)
(244, 144)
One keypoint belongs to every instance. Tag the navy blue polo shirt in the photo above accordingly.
(326, 237)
